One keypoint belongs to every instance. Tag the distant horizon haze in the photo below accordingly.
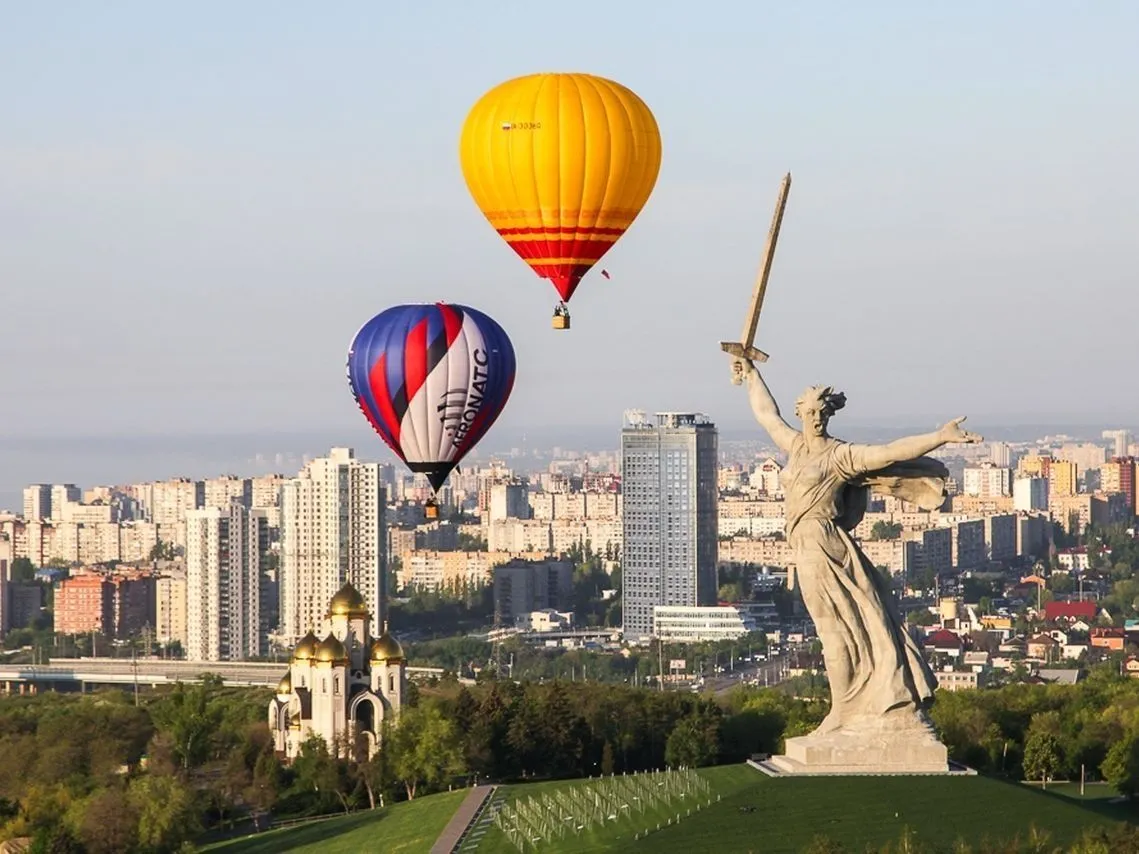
(116, 460)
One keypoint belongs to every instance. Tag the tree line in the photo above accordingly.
(95, 773)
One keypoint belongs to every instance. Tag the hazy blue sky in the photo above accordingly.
(200, 203)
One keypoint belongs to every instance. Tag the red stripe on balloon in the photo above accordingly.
(415, 359)
(452, 322)
(378, 382)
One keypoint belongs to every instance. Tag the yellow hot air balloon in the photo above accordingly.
(561, 164)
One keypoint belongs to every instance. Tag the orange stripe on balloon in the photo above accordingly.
(560, 262)
(560, 237)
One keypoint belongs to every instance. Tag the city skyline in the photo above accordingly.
(91, 461)
(270, 200)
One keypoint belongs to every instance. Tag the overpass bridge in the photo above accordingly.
(77, 674)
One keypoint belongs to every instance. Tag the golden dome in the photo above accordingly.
(331, 651)
(386, 648)
(347, 603)
(306, 649)
(285, 686)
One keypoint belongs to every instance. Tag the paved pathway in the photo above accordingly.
(462, 819)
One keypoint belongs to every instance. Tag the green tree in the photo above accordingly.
(427, 748)
(109, 824)
(694, 741)
(1121, 766)
(1042, 755)
(882, 530)
(264, 787)
(167, 813)
(191, 720)
(22, 570)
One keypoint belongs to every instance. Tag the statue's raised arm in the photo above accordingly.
(763, 405)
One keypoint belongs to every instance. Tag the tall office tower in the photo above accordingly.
(37, 502)
(224, 553)
(668, 471)
(332, 532)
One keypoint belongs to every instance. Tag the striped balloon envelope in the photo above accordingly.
(431, 380)
(560, 164)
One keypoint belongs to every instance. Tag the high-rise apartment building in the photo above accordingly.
(1034, 465)
(170, 607)
(6, 559)
(1063, 479)
(63, 494)
(224, 552)
(987, 481)
(1000, 454)
(332, 532)
(509, 500)
(1121, 475)
(1030, 493)
(669, 469)
(37, 502)
(221, 491)
(1120, 441)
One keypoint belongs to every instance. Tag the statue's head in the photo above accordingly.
(815, 407)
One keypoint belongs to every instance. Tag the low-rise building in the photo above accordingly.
(696, 624)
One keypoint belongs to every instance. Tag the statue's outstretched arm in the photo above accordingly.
(765, 408)
(910, 448)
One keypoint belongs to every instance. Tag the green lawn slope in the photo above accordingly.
(410, 827)
(757, 813)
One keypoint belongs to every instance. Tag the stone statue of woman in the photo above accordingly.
(880, 683)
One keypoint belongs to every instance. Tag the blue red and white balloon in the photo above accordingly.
(431, 380)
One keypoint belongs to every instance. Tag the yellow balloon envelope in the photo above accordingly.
(561, 164)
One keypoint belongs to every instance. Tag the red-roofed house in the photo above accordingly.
(944, 642)
(1069, 611)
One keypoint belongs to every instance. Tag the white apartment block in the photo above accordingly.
(1030, 494)
(37, 502)
(332, 532)
(987, 481)
(575, 505)
(170, 607)
(508, 501)
(61, 495)
(765, 477)
(221, 491)
(224, 550)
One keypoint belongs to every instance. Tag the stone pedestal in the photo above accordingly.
(875, 747)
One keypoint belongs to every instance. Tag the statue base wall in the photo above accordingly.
(846, 752)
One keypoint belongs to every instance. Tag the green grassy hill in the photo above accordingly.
(404, 828)
(754, 813)
(761, 814)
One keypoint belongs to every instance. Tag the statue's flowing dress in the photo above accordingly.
(873, 665)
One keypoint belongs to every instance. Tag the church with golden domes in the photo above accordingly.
(341, 688)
